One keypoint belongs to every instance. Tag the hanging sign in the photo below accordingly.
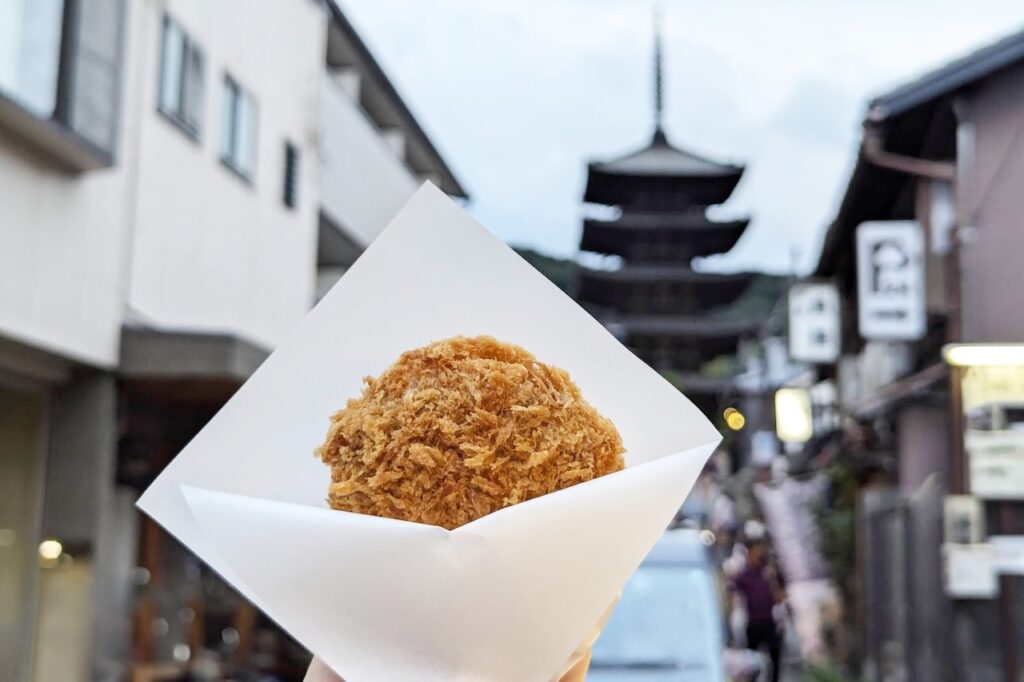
(1009, 553)
(993, 403)
(970, 571)
(814, 322)
(890, 280)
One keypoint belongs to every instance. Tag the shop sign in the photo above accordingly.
(890, 280)
(813, 309)
(993, 403)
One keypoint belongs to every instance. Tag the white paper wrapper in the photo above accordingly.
(505, 598)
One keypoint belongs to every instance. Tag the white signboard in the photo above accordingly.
(890, 280)
(963, 519)
(993, 403)
(1009, 553)
(814, 322)
(970, 571)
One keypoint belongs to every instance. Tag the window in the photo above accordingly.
(181, 79)
(291, 175)
(30, 38)
(238, 129)
(60, 62)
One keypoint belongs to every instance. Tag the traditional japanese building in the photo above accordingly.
(655, 302)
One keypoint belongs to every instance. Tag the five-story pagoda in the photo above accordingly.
(655, 302)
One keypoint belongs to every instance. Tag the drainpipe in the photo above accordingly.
(874, 151)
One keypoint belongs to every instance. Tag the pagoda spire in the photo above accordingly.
(659, 96)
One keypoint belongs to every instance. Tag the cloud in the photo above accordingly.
(519, 94)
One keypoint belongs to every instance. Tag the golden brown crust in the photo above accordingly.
(460, 428)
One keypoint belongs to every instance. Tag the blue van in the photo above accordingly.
(667, 626)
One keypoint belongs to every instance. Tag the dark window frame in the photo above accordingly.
(59, 135)
(180, 116)
(230, 157)
(292, 168)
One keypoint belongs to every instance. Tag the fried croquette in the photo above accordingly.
(461, 428)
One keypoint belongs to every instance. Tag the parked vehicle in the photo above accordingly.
(667, 626)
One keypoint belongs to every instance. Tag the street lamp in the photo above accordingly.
(50, 550)
(793, 418)
(734, 419)
(983, 354)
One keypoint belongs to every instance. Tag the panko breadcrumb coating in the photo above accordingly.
(460, 428)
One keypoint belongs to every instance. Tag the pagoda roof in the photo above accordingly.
(660, 175)
(696, 327)
(665, 273)
(679, 343)
(643, 236)
(707, 393)
(693, 382)
(665, 288)
(689, 221)
(662, 159)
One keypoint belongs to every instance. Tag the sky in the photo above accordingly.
(519, 94)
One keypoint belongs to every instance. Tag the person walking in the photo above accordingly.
(760, 591)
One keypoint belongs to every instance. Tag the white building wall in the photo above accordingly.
(212, 252)
(63, 240)
(170, 238)
(364, 181)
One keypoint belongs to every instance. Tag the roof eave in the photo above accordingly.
(947, 79)
(449, 183)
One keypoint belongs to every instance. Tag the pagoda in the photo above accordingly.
(655, 302)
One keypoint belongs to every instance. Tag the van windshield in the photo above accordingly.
(665, 620)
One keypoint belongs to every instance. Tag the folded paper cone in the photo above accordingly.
(576, 669)
(509, 596)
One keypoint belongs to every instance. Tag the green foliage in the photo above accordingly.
(561, 271)
(758, 301)
(818, 672)
(837, 525)
(721, 367)
(836, 521)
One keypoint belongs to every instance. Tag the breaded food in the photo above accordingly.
(460, 428)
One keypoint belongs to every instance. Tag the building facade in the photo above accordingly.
(944, 152)
(180, 182)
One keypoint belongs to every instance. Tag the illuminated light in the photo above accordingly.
(728, 411)
(50, 550)
(707, 538)
(182, 652)
(976, 354)
(793, 420)
(735, 420)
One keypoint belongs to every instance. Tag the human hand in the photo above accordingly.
(319, 672)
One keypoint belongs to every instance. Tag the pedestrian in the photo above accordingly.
(760, 591)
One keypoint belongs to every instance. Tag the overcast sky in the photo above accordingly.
(519, 94)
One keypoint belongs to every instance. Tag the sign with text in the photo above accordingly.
(970, 571)
(1009, 553)
(890, 280)
(993, 403)
(963, 520)
(814, 322)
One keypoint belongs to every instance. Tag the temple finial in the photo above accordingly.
(659, 134)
